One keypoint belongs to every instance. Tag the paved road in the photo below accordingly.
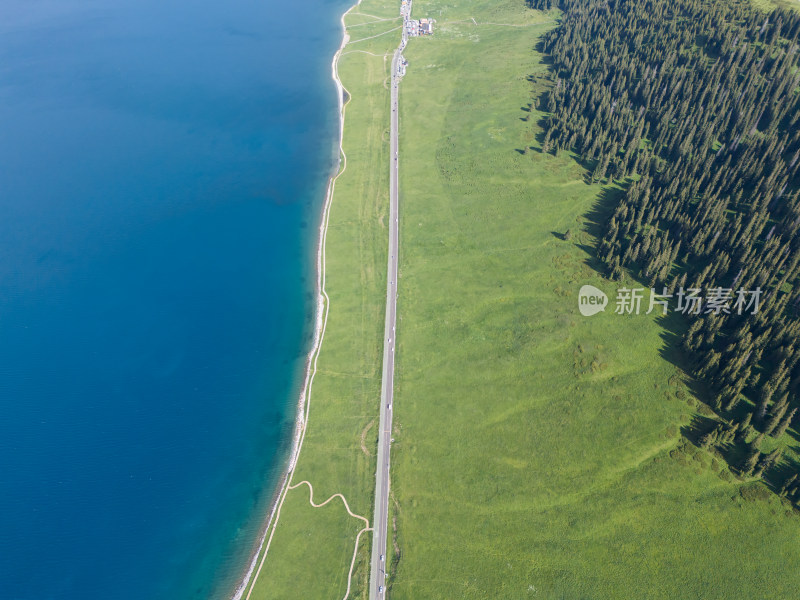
(377, 585)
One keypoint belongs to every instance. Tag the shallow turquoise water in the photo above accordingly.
(162, 169)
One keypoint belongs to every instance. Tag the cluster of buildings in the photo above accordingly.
(414, 27)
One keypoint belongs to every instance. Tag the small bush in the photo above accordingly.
(680, 457)
(752, 492)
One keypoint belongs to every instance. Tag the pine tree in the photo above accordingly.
(744, 428)
(768, 460)
(717, 203)
(764, 399)
(709, 439)
(784, 424)
(750, 461)
(776, 414)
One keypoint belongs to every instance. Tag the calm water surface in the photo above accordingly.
(162, 168)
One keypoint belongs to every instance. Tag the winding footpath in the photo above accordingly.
(323, 306)
(349, 512)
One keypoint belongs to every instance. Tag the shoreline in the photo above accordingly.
(323, 305)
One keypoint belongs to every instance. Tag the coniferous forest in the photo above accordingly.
(693, 108)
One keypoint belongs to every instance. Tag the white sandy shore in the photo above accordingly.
(304, 400)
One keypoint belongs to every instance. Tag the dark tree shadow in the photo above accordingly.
(699, 426)
(793, 431)
(595, 222)
(546, 58)
(780, 473)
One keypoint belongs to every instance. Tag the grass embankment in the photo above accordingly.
(537, 450)
(312, 548)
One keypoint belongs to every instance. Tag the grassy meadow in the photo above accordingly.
(769, 5)
(538, 452)
(313, 547)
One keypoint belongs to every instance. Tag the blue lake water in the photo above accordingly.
(162, 168)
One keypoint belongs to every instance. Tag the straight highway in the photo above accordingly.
(377, 585)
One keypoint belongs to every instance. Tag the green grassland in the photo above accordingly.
(312, 547)
(539, 453)
(769, 5)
